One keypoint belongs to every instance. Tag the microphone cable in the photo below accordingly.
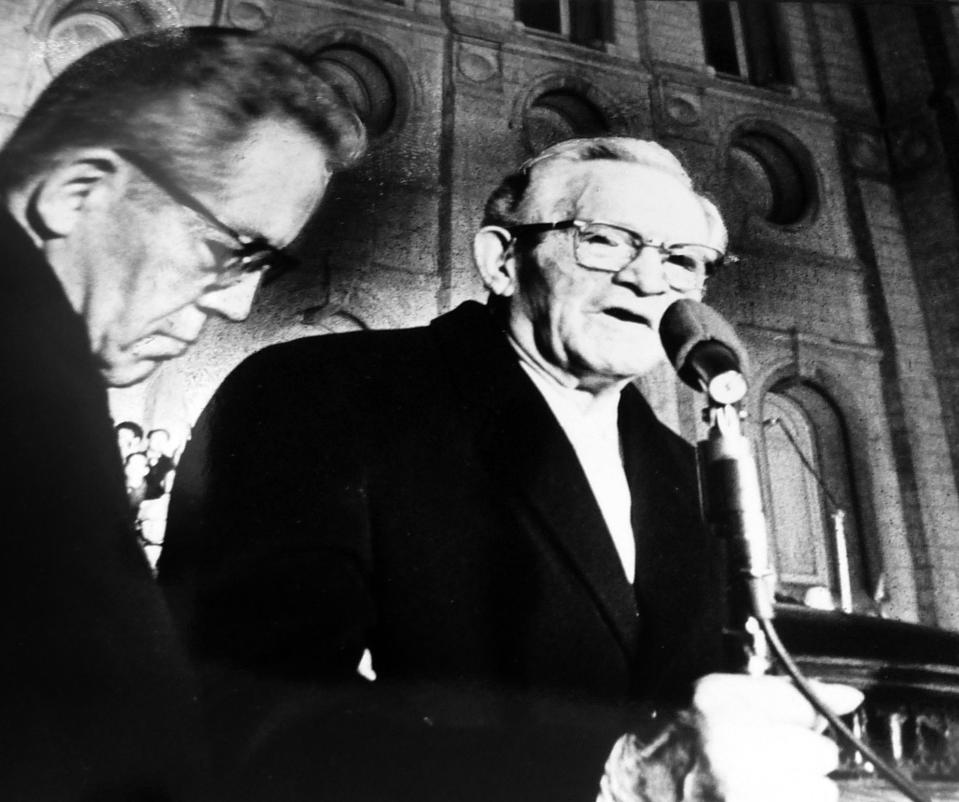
(705, 351)
(889, 772)
(895, 777)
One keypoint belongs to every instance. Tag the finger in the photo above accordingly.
(727, 697)
(773, 699)
(781, 789)
(840, 699)
(779, 751)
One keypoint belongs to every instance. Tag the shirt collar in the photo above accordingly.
(599, 407)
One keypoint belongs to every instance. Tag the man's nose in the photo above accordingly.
(233, 302)
(646, 273)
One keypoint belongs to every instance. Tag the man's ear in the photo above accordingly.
(495, 260)
(64, 194)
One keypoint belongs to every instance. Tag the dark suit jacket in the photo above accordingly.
(96, 697)
(410, 492)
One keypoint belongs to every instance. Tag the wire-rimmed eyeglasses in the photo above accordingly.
(252, 254)
(610, 248)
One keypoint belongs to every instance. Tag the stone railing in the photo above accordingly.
(910, 676)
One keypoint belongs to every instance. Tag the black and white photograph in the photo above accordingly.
(479, 400)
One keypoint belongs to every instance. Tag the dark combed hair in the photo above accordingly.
(182, 97)
(136, 428)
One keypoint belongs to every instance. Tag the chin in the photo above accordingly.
(127, 375)
(622, 362)
(635, 370)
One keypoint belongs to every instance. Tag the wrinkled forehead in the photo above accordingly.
(639, 196)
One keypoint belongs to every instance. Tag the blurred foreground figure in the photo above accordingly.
(150, 186)
(490, 508)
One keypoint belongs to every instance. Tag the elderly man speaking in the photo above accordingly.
(489, 506)
(148, 188)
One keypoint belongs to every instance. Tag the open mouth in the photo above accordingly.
(159, 348)
(626, 316)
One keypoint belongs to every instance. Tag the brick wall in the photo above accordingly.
(673, 33)
(843, 70)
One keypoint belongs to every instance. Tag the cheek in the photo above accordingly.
(537, 294)
(558, 295)
(166, 289)
(559, 315)
(577, 299)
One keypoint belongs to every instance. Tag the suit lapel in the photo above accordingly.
(529, 454)
(674, 561)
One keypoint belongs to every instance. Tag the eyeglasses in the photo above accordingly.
(610, 248)
(251, 254)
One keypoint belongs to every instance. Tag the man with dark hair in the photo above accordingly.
(150, 186)
(129, 438)
(489, 507)
(161, 463)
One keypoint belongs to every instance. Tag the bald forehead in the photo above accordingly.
(611, 190)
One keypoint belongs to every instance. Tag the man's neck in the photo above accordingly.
(586, 397)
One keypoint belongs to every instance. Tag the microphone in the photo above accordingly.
(705, 351)
(709, 357)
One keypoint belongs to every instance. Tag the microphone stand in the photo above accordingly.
(707, 356)
(732, 505)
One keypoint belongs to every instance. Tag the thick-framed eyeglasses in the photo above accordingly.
(610, 248)
(251, 254)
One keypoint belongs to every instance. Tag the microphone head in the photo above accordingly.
(704, 350)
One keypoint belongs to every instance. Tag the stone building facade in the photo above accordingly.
(828, 133)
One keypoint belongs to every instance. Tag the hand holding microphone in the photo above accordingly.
(744, 739)
(760, 740)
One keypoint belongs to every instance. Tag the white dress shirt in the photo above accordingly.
(591, 423)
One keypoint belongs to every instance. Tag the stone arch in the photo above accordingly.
(62, 30)
(769, 174)
(371, 74)
(870, 466)
(561, 106)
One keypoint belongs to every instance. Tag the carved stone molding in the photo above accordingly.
(680, 110)
(913, 145)
(867, 152)
(251, 15)
(477, 63)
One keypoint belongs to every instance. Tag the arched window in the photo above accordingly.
(370, 75)
(770, 175)
(365, 82)
(807, 480)
(65, 30)
(561, 114)
(775, 178)
(76, 34)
